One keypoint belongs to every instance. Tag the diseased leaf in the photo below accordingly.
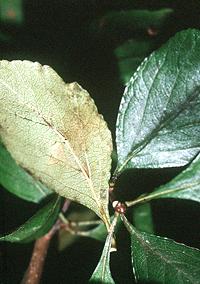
(161, 260)
(142, 218)
(17, 181)
(185, 186)
(158, 123)
(53, 129)
(37, 226)
(102, 272)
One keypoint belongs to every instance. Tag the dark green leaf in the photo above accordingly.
(102, 272)
(116, 22)
(17, 181)
(185, 186)
(158, 123)
(36, 226)
(130, 54)
(11, 11)
(161, 260)
(142, 217)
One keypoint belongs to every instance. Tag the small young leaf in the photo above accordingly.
(161, 260)
(158, 123)
(102, 272)
(142, 218)
(17, 181)
(185, 186)
(53, 129)
(37, 226)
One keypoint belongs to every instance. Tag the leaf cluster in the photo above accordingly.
(57, 142)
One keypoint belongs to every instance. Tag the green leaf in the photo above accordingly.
(100, 232)
(17, 181)
(161, 260)
(53, 129)
(116, 22)
(37, 226)
(158, 123)
(130, 54)
(11, 12)
(102, 274)
(142, 218)
(185, 186)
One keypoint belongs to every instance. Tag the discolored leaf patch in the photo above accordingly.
(53, 129)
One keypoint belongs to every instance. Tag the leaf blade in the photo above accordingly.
(17, 181)
(38, 225)
(67, 142)
(142, 218)
(185, 186)
(158, 125)
(163, 260)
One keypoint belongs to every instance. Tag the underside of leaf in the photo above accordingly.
(53, 129)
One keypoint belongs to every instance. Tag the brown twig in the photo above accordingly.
(37, 261)
(36, 265)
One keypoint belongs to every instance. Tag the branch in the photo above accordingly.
(36, 264)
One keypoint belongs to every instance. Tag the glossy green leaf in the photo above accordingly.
(158, 123)
(102, 272)
(161, 260)
(53, 129)
(37, 226)
(17, 181)
(142, 218)
(185, 186)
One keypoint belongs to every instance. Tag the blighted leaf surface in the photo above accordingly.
(185, 186)
(37, 226)
(161, 260)
(158, 123)
(17, 181)
(54, 130)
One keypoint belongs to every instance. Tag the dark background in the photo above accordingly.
(58, 33)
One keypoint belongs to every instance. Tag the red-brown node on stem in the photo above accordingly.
(119, 207)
